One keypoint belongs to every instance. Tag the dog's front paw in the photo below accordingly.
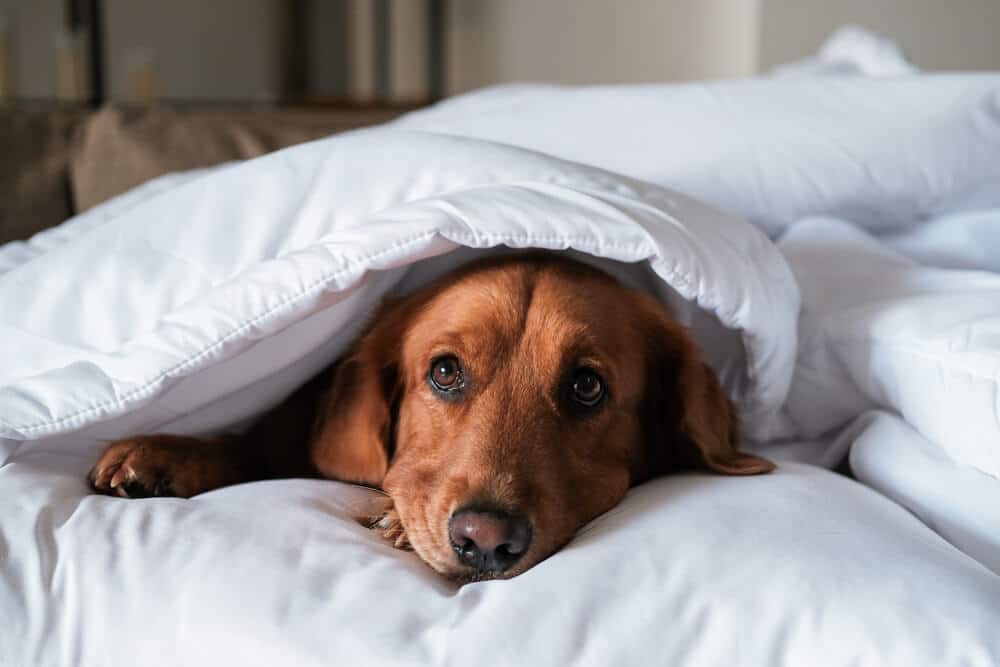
(160, 465)
(133, 468)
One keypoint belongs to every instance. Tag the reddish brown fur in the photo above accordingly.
(519, 325)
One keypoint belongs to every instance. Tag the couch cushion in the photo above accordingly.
(121, 147)
(35, 143)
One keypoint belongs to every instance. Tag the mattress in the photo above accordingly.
(806, 261)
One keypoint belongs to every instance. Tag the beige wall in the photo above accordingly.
(231, 51)
(199, 49)
(933, 34)
(588, 41)
(33, 31)
(233, 48)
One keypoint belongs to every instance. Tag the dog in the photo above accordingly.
(501, 408)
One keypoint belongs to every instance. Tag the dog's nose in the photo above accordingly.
(489, 540)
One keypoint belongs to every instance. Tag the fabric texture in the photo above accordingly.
(246, 251)
(891, 333)
(798, 567)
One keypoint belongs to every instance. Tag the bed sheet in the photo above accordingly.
(801, 567)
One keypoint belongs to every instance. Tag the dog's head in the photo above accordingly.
(512, 402)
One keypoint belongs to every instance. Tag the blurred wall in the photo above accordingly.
(237, 50)
(183, 49)
(591, 41)
(196, 49)
(32, 34)
(933, 34)
(232, 49)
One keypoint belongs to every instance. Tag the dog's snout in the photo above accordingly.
(487, 539)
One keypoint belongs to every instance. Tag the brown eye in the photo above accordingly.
(587, 388)
(446, 374)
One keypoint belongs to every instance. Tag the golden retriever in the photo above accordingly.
(501, 408)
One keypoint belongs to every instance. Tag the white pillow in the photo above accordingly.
(885, 152)
(802, 567)
(852, 50)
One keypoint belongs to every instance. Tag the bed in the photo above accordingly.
(830, 237)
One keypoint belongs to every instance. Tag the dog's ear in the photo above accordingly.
(689, 420)
(353, 436)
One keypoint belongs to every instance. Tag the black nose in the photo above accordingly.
(487, 539)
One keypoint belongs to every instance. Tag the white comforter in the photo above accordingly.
(867, 331)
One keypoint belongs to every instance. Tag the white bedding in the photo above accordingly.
(195, 304)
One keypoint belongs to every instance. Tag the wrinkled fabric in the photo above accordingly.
(184, 284)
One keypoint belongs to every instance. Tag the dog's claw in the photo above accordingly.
(389, 525)
(120, 476)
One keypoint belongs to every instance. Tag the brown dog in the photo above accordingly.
(500, 409)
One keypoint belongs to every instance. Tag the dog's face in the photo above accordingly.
(511, 403)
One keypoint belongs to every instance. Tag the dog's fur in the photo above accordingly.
(512, 438)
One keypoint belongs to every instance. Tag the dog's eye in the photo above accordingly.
(446, 374)
(587, 388)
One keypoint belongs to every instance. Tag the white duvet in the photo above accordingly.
(865, 329)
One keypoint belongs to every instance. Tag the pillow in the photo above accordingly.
(885, 152)
(851, 50)
(801, 567)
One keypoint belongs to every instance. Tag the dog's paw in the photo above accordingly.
(157, 466)
(389, 525)
(135, 468)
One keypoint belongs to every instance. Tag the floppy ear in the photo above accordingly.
(691, 422)
(353, 436)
